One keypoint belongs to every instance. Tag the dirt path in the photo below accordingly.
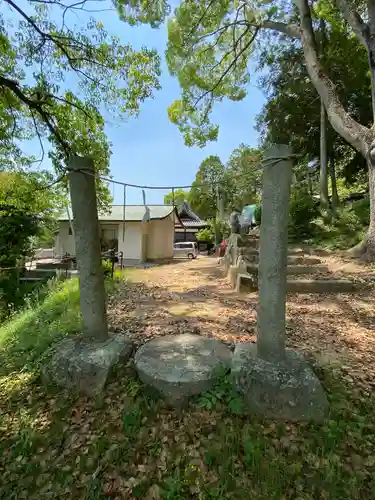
(192, 296)
(186, 296)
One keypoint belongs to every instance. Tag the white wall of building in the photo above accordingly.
(160, 238)
(132, 244)
(158, 244)
(64, 242)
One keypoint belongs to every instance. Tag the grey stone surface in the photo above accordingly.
(84, 366)
(292, 260)
(286, 389)
(273, 246)
(320, 286)
(307, 261)
(232, 275)
(180, 366)
(246, 283)
(292, 269)
(87, 245)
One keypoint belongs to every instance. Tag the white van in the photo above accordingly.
(187, 249)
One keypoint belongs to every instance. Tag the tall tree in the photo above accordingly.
(28, 205)
(209, 47)
(179, 197)
(243, 168)
(209, 185)
(286, 82)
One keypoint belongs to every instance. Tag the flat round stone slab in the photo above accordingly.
(180, 366)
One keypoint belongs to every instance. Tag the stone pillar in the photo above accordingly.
(275, 382)
(87, 243)
(277, 178)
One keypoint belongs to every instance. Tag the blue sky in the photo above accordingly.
(149, 149)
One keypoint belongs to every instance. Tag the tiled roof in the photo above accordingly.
(193, 223)
(193, 219)
(133, 213)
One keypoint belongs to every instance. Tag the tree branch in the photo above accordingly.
(231, 65)
(36, 105)
(287, 29)
(354, 20)
(354, 133)
(39, 137)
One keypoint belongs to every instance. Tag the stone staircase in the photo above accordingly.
(43, 271)
(306, 273)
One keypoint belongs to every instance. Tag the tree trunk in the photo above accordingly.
(332, 171)
(323, 176)
(366, 248)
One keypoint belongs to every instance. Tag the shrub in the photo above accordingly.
(205, 235)
(303, 210)
(107, 267)
(258, 215)
(361, 208)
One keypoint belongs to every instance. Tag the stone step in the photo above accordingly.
(255, 251)
(247, 241)
(292, 260)
(249, 283)
(33, 280)
(293, 269)
(40, 273)
(320, 286)
(53, 265)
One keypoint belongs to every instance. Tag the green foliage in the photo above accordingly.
(107, 267)
(243, 168)
(224, 394)
(28, 208)
(346, 228)
(102, 73)
(49, 313)
(180, 196)
(220, 229)
(205, 235)
(258, 215)
(303, 210)
(208, 53)
(235, 184)
(132, 421)
(286, 81)
(204, 191)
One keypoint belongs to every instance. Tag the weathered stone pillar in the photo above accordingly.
(87, 244)
(83, 363)
(277, 178)
(275, 382)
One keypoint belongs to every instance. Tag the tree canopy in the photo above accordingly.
(28, 205)
(205, 189)
(41, 48)
(210, 44)
(179, 197)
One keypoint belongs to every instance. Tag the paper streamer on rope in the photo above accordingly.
(174, 220)
(146, 216)
(123, 215)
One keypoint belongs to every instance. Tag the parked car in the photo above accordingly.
(187, 249)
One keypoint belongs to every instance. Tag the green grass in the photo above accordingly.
(344, 230)
(26, 336)
(55, 446)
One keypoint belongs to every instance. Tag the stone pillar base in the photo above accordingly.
(286, 390)
(84, 366)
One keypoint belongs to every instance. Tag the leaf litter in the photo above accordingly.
(131, 445)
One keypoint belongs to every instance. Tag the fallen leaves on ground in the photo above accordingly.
(131, 445)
